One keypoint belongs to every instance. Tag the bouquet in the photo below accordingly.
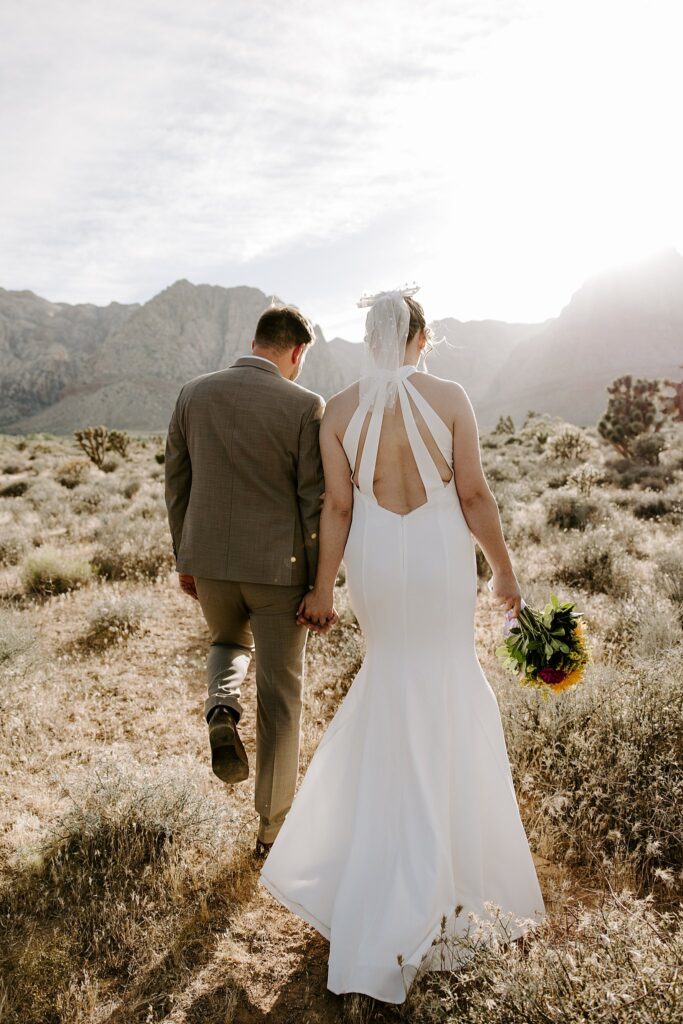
(547, 649)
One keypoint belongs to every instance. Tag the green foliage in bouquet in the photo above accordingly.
(547, 649)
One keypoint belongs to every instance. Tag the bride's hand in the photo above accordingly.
(317, 611)
(505, 591)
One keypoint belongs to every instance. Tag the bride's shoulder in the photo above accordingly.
(341, 406)
(440, 385)
(345, 398)
(448, 397)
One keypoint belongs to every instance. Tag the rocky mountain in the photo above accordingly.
(623, 321)
(471, 352)
(63, 367)
(45, 347)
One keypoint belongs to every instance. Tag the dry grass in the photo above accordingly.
(49, 571)
(127, 887)
(619, 962)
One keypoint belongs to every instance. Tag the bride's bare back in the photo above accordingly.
(397, 483)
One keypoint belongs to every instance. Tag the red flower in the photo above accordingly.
(552, 676)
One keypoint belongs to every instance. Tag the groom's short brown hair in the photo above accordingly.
(282, 328)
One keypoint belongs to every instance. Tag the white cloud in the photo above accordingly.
(498, 151)
(161, 132)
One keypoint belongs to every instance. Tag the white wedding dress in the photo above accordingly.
(407, 810)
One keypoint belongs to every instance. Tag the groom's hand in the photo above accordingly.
(188, 585)
(317, 612)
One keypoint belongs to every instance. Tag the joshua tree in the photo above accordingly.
(635, 407)
(648, 447)
(504, 425)
(119, 441)
(94, 442)
(673, 404)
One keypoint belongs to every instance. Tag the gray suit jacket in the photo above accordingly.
(244, 476)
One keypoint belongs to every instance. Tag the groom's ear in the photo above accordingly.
(297, 351)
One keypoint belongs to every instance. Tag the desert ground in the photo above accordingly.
(128, 887)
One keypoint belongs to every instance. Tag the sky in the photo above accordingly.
(498, 153)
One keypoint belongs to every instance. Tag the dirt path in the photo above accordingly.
(144, 700)
(279, 963)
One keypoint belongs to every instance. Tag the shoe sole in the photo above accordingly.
(228, 757)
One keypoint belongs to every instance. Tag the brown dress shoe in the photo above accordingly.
(228, 757)
(262, 849)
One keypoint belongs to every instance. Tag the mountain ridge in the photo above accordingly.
(65, 366)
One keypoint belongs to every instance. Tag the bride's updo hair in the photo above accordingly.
(417, 319)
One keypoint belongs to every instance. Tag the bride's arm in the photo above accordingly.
(478, 504)
(335, 521)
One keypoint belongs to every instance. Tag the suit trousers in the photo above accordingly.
(260, 618)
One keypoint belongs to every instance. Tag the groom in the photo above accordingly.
(243, 492)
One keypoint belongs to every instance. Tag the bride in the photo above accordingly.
(406, 823)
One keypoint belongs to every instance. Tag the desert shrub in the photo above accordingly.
(592, 564)
(46, 497)
(160, 457)
(131, 488)
(625, 473)
(618, 963)
(110, 464)
(72, 472)
(150, 506)
(98, 495)
(483, 568)
(656, 626)
(557, 480)
(585, 477)
(120, 822)
(134, 849)
(657, 478)
(523, 524)
(655, 508)
(49, 571)
(499, 473)
(536, 427)
(568, 444)
(16, 638)
(87, 498)
(133, 549)
(13, 546)
(14, 489)
(114, 620)
(669, 565)
(645, 625)
(601, 766)
(570, 512)
(12, 468)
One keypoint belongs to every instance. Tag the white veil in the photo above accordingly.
(384, 349)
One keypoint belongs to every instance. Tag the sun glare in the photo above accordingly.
(562, 157)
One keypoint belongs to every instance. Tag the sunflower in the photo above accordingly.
(547, 649)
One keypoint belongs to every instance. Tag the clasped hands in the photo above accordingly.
(317, 612)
